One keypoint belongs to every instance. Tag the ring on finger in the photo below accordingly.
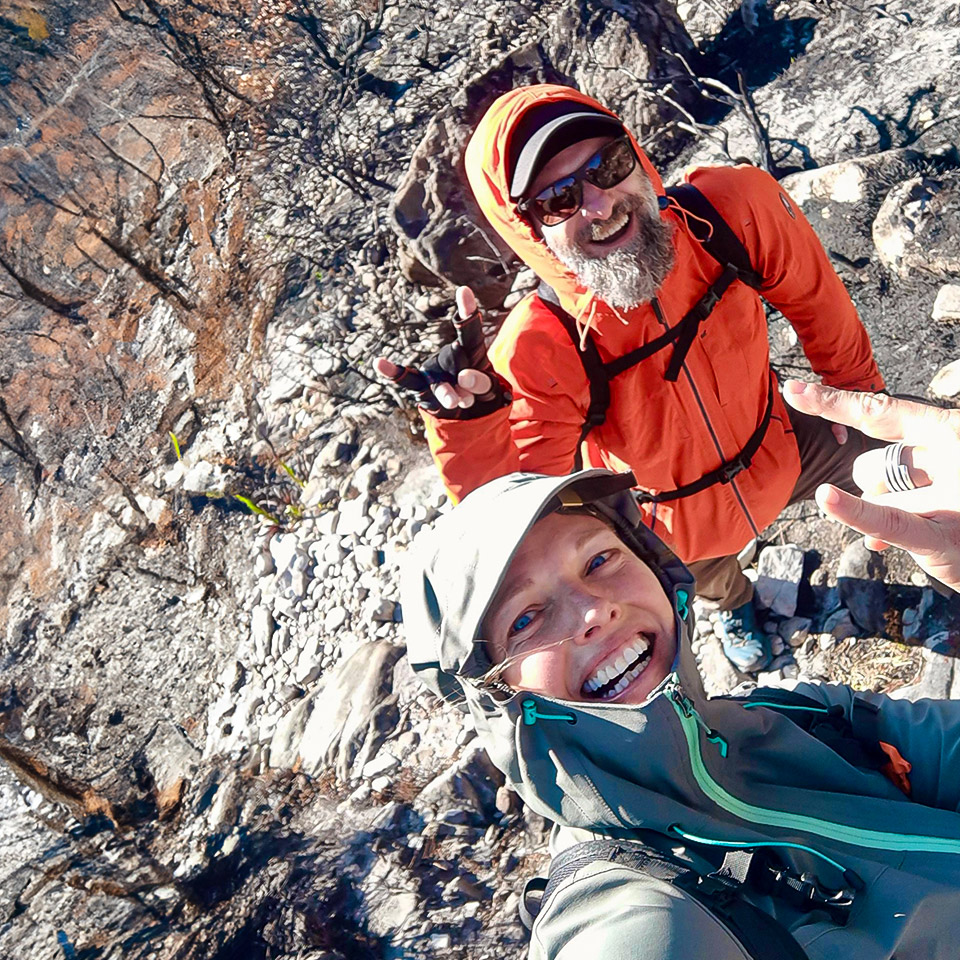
(895, 471)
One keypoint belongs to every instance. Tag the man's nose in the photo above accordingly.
(597, 204)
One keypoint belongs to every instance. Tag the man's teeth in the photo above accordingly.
(606, 229)
(632, 656)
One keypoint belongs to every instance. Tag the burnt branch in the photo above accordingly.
(45, 299)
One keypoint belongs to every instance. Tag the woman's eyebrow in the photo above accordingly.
(514, 590)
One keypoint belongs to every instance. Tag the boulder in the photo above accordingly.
(779, 571)
(947, 304)
(946, 382)
(917, 230)
(860, 585)
(343, 724)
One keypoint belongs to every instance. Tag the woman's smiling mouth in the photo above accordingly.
(620, 669)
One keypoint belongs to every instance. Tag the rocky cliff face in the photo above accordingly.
(211, 218)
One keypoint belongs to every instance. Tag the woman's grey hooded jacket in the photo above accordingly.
(689, 771)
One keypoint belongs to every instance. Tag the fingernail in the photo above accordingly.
(794, 386)
(829, 497)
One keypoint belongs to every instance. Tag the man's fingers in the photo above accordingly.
(896, 527)
(474, 381)
(869, 469)
(466, 302)
(447, 395)
(409, 378)
(875, 414)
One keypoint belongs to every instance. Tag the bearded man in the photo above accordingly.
(632, 278)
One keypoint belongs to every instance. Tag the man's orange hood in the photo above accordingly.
(485, 161)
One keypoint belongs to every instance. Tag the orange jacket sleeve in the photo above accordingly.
(799, 279)
(539, 432)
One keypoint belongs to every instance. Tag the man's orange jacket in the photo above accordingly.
(669, 434)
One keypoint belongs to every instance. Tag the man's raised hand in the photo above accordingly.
(459, 382)
(925, 520)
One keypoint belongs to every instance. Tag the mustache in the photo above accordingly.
(630, 205)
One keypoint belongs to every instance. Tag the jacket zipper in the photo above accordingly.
(706, 419)
(827, 829)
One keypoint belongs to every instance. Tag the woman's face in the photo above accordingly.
(579, 616)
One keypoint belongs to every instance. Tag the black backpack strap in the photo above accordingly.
(856, 739)
(593, 367)
(761, 935)
(720, 242)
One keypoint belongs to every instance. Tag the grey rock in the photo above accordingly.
(946, 382)
(471, 784)
(935, 683)
(719, 675)
(769, 678)
(861, 587)
(171, 759)
(345, 721)
(263, 564)
(917, 229)
(261, 627)
(947, 304)
(383, 762)
(335, 618)
(353, 516)
(794, 630)
(840, 625)
(382, 610)
(779, 571)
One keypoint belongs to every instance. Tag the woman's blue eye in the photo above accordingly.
(598, 561)
(521, 623)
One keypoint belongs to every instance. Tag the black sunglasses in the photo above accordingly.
(610, 165)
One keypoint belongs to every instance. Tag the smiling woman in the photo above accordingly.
(549, 611)
(580, 616)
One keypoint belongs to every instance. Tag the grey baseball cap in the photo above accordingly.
(547, 130)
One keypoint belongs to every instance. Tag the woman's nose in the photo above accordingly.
(596, 613)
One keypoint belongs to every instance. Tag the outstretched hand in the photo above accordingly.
(924, 521)
(459, 381)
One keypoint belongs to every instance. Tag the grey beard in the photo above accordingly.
(632, 274)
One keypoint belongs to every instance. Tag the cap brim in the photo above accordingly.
(554, 136)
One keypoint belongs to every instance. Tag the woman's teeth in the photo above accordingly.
(616, 674)
(601, 231)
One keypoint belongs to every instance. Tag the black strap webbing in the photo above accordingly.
(728, 469)
(761, 935)
(720, 242)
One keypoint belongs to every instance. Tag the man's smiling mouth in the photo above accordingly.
(616, 673)
(610, 231)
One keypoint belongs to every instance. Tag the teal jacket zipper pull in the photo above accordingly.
(688, 710)
(530, 715)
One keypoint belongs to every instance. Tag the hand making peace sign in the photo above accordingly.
(459, 382)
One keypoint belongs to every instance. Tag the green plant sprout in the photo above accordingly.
(255, 508)
(176, 445)
(291, 474)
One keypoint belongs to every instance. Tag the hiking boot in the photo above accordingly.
(746, 646)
